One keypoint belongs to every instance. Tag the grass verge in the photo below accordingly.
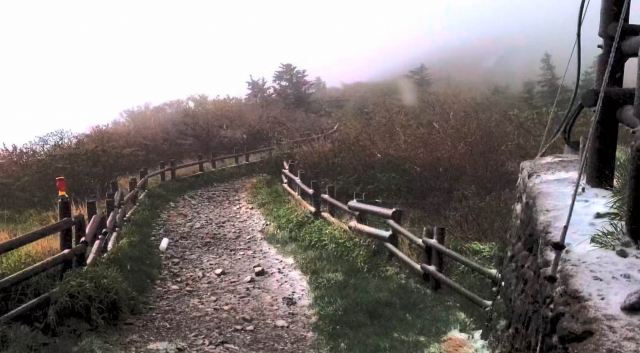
(363, 301)
(96, 297)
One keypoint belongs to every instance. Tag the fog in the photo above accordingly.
(71, 65)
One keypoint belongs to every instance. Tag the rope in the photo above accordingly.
(577, 43)
(583, 157)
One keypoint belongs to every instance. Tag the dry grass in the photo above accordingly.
(452, 159)
(35, 252)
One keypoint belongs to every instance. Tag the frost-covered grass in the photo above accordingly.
(363, 301)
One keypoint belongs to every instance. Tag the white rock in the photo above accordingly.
(164, 244)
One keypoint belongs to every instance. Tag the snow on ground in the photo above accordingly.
(603, 277)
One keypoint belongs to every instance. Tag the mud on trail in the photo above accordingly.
(222, 288)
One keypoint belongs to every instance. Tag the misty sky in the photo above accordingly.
(74, 64)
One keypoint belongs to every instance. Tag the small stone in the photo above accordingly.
(246, 318)
(175, 261)
(214, 299)
(174, 287)
(189, 290)
(219, 272)
(226, 308)
(229, 346)
(625, 276)
(237, 328)
(249, 328)
(631, 302)
(282, 323)
(258, 271)
(248, 279)
(622, 253)
(596, 278)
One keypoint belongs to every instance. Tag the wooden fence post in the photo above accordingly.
(133, 182)
(201, 164)
(109, 203)
(331, 191)
(113, 184)
(146, 182)
(298, 189)
(292, 167)
(315, 186)
(81, 232)
(236, 158)
(172, 164)
(427, 252)
(437, 260)
(163, 177)
(246, 155)
(142, 175)
(66, 240)
(92, 211)
(396, 216)
(213, 160)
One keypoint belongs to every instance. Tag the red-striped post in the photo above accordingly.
(64, 211)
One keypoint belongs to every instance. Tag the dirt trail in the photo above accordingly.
(223, 288)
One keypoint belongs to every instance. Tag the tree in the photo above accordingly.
(421, 77)
(259, 92)
(528, 94)
(549, 84)
(318, 87)
(588, 79)
(291, 87)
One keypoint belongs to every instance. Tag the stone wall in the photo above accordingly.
(532, 314)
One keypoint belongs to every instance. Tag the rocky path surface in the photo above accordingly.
(223, 288)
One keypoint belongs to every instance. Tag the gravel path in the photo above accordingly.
(223, 288)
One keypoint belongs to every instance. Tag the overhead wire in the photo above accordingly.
(583, 158)
(577, 44)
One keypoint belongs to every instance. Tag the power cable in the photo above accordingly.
(582, 12)
(583, 158)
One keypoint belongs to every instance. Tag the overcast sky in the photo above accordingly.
(74, 64)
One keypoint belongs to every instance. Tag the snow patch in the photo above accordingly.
(600, 275)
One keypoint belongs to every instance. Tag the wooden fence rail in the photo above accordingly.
(102, 233)
(432, 244)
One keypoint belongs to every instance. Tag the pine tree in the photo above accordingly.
(549, 86)
(259, 92)
(292, 87)
(421, 77)
(588, 79)
(528, 94)
(318, 87)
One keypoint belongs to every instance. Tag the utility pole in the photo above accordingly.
(602, 152)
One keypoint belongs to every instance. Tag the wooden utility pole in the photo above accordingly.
(601, 160)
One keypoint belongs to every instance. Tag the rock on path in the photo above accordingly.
(223, 288)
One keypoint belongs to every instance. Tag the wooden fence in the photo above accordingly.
(82, 243)
(432, 243)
